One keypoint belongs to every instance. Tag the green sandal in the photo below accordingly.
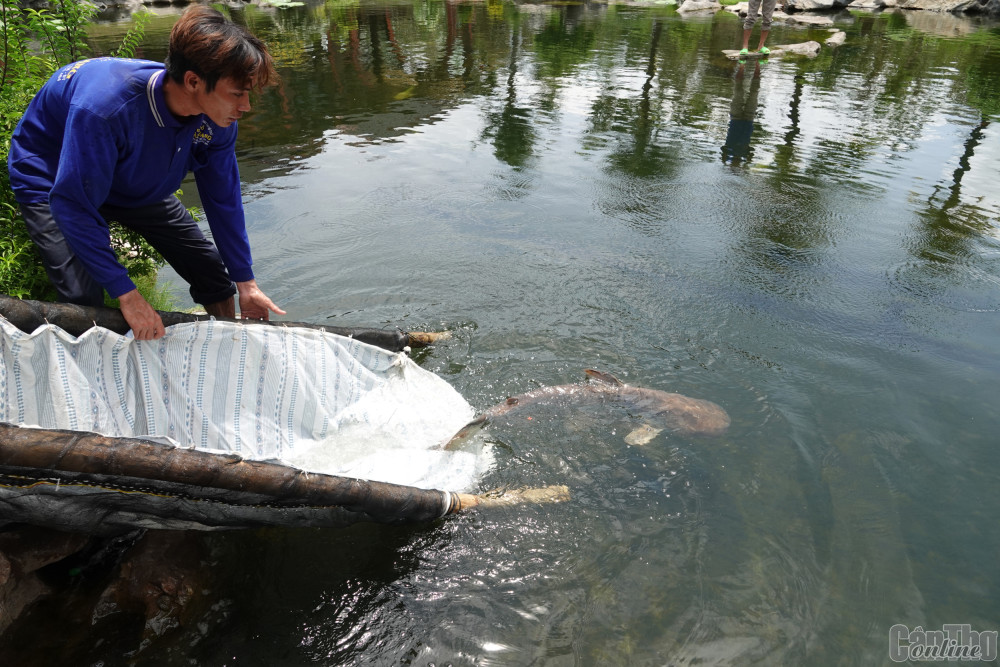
(744, 52)
(764, 50)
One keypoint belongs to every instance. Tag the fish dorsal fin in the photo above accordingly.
(607, 378)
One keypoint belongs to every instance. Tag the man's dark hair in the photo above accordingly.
(205, 42)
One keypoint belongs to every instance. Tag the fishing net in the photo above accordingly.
(282, 398)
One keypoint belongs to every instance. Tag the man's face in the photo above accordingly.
(227, 102)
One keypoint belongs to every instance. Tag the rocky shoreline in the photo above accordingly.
(790, 9)
(970, 7)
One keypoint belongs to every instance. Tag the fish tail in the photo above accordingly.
(604, 377)
(463, 433)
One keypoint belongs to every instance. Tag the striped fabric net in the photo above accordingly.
(293, 403)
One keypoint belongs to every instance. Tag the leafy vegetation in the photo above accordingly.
(132, 38)
(36, 42)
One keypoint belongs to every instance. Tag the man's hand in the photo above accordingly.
(254, 304)
(144, 321)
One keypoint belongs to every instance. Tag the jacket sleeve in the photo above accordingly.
(218, 181)
(87, 162)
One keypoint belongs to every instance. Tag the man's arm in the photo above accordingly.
(82, 183)
(219, 187)
(218, 181)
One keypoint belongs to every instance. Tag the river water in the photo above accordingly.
(813, 244)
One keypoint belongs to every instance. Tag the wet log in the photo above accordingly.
(142, 475)
(29, 315)
(145, 467)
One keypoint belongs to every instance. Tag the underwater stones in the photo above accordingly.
(24, 551)
(162, 579)
(837, 38)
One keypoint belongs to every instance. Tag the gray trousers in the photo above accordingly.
(764, 6)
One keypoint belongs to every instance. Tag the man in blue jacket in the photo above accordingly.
(110, 139)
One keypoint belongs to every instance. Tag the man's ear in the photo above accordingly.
(191, 81)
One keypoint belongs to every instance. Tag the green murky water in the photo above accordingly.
(814, 245)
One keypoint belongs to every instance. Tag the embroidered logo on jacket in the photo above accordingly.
(203, 135)
(68, 73)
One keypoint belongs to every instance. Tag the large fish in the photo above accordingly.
(666, 410)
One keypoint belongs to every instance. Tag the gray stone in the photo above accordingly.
(815, 5)
(810, 19)
(991, 7)
(802, 49)
(868, 5)
(699, 6)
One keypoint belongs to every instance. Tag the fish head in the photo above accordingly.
(677, 412)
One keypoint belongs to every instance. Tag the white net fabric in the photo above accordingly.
(304, 397)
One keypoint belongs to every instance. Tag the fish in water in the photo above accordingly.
(668, 410)
(642, 435)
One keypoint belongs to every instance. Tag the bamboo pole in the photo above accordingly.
(556, 493)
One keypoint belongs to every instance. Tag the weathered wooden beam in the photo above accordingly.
(134, 461)
(29, 315)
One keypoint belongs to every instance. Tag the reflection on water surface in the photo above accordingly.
(560, 185)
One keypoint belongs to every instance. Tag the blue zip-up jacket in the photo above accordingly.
(99, 132)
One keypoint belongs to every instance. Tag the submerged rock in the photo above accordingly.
(162, 579)
(24, 551)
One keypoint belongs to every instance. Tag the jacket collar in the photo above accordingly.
(158, 102)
